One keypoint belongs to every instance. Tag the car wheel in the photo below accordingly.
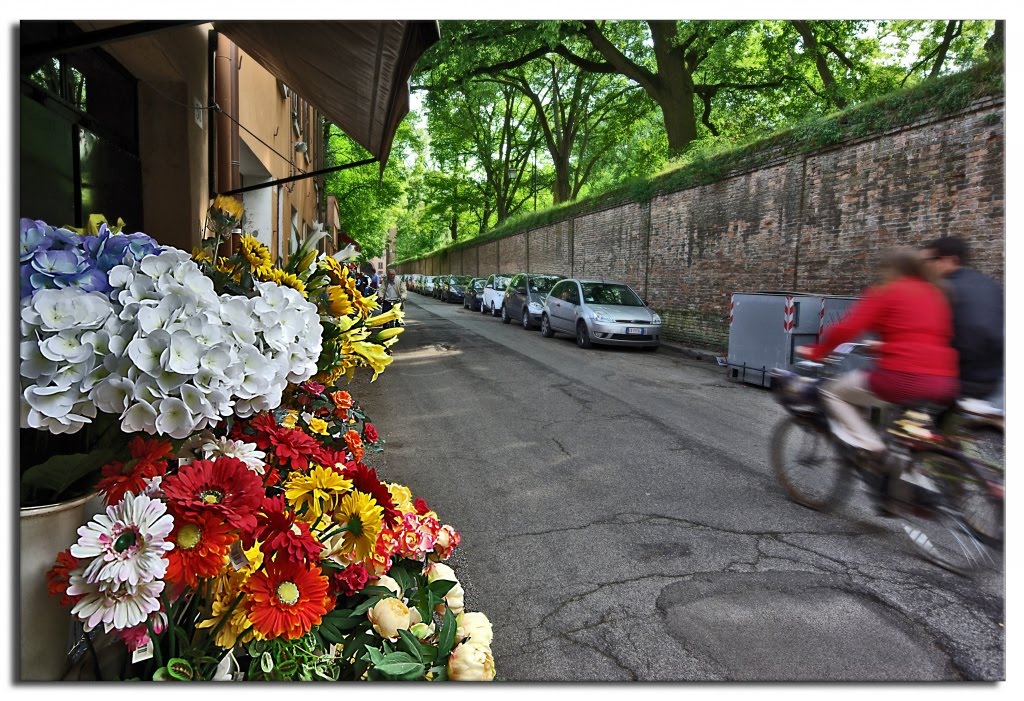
(545, 327)
(526, 319)
(493, 313)
(583, 335)
(505, 318)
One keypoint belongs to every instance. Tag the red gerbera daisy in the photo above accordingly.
(293, 446)
(338, 460)
(149, 459)
(201, 544)
(255, 430)
(285, 599)
(281, 536)
(365, 480)
(58, 578)
(224, 487)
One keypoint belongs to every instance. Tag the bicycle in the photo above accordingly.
(950, 500)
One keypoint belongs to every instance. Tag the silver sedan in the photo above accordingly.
(599, 311)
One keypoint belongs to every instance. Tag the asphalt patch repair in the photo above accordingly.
(797, 626)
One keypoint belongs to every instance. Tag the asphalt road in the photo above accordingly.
(620, 520)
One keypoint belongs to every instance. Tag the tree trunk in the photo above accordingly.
(680, 119)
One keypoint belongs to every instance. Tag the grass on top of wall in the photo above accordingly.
(940, 96)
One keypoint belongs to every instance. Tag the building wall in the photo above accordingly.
(816, 223)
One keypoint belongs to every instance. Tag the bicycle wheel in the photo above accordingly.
(808, 464)
(957, 522)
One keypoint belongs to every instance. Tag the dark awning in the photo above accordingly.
(355, 72)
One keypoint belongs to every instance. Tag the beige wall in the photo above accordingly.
(172, 70)
(265, 111)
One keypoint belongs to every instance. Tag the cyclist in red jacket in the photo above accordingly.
(915, 359)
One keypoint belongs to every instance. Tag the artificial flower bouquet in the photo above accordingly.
(270, 553)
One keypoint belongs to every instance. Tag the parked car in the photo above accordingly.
(454, 289)
(474, 298)
(524, 298)
(494, 292)
(410, 281)
(427, 288)
(439, 282)
(599, 311)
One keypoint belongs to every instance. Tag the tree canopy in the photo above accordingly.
(521, 115)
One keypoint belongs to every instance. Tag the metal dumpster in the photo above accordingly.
(764, 327)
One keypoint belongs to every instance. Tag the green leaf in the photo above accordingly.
(440, 673)
(266, 662)
(377, 591)
(354, 643)
(440, 587)
(60, 472)
(368, 604)
(376, 656)
(408, 642)
(398, 663)
(446, 637)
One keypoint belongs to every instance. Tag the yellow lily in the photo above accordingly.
(375, 356)
(393, 314)
(386, 334)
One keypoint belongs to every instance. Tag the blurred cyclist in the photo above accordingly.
(977, 302)
(915, 361)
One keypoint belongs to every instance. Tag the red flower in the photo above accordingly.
(285, 599)
(201, 544)
(281, 536)
(312, 387)
(420, 504)
(256, 430)
(149, 459)
(293, 447)
(58, 578)
(365, 480)
(329, 457)
(350, 580)
(224, 487)
(370, 434)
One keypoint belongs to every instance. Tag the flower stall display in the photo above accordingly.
(241, 534)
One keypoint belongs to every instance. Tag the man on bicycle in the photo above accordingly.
(392, 292)
(977, 302)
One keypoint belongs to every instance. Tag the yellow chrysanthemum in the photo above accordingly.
(235, 624)
(284, 279)
(361, 517)
(201, 255)
(257, 255)
(316, 492)
(335, 271)
(289, 419)
(340, 304)
(318, 426)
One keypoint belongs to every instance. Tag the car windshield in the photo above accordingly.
(542, 285)
(478, 284)
(500, 283)
(610, 293)
(461, 280)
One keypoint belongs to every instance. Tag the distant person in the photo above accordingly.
(370, 280)
(393, 291)
(978, 328)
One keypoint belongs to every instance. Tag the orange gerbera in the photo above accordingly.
(201, 544)
(285, 599)
(355, 445)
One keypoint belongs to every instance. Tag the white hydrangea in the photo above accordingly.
(163, 352)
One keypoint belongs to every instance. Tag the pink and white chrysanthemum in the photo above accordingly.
(126, 544)
(115, 607)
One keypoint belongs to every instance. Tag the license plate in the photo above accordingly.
(635, 331)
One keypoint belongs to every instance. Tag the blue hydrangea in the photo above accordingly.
(53, 258)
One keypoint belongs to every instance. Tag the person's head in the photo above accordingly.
(903, 262)
(391, 273)
(944, 255)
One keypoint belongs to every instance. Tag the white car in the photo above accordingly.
(428, 285)
(494, 293)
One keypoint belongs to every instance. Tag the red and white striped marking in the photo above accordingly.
(789, 317)
(732, 305)
(821, 317)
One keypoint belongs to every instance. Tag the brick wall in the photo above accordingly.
(816, 223)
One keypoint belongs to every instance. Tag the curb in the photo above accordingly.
(694, 353)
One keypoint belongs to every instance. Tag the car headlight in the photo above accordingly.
(602, 316)
(535, 307)
(655, 319)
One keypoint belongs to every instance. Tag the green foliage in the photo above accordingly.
(711, 159)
